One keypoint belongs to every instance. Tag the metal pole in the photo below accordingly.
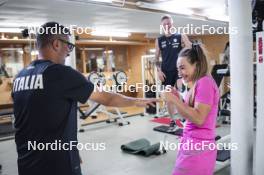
(241, 54)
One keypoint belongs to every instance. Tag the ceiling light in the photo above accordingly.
(107, 1)
(10, 30)
(108, 51)
(165, 7)
(217, 14)
(34, 52)
(199, 17)
(152, 50)
(87, 1)
(10, 49)
(219, 17)
(110, 34)
(93, 49)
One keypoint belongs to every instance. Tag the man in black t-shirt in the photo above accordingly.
(45, 96)
(169, 46)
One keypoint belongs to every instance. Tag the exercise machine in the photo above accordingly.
(119, 78)
(7, 130)
(218, 73)
(150, 78)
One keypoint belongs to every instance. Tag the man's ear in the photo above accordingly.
(55, 45)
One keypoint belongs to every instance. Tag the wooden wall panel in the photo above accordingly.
(215, 44)
(134, 63)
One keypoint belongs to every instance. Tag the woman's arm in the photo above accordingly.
(196, 114)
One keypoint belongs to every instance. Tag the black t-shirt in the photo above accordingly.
(45, 107)
(170, 48)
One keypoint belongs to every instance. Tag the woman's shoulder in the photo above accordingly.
(207, 80)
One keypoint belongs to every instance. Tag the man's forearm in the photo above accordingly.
(112, 99)
(118, 100)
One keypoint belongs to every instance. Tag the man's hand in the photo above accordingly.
(161, 76)
(146, 102)
(118, 100)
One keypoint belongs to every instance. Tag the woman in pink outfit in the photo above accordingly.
(197, 150)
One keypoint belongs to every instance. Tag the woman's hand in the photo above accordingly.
(175, 92)
(170, 96)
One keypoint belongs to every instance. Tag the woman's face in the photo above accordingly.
(185, 69)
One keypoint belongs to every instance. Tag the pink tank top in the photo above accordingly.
(206, 92)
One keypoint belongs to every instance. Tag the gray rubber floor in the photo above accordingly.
(112, 161)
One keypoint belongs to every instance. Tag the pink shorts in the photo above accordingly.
(194, 161)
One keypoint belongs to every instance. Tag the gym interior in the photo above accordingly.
(119, 45)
